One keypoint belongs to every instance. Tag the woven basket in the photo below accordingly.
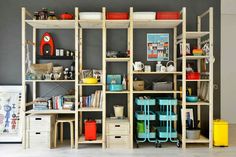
(138, 85)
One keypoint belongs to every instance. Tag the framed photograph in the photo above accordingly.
(189, 115)
(10, 114)
(188, 51)
(87, 74)
(158, 47)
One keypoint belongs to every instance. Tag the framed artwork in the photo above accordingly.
(189, 115)
(10, 114)
(188, 52)
(158, 47)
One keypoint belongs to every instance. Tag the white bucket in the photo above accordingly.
(119, 111)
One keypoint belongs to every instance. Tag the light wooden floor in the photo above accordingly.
(168, 150)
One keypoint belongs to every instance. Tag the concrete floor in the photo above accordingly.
(168, 150)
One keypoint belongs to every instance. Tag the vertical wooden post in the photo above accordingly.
(211, 23)
(34, 60)
(104, 42)
(184, 79)
(76, 76)
(131, 76)
(23, 98)
(80, 70)
(175, 75)
(199, 68)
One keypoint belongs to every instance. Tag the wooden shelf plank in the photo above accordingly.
(50, 112)
(199, 103)
(83, 84)
(82, 140)
(202, 139)
(117, 92)
(117, 59)
(117, 24)
(153, 73)
(156, 92)
(200, 80)
(50, 81)
(52, 24)
(90, 24)
(194, 57)
(55, 57)
(90, 109)
(193, 35)
(143, 24)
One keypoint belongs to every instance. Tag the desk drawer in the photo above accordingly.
(117, 128)
(117, 141)
(40, 122)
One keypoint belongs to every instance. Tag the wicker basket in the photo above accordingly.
(41, 68)
(138, 85)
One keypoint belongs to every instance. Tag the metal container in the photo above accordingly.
(193, 134)
(162, 86)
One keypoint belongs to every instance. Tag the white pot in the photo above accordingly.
(119, 111)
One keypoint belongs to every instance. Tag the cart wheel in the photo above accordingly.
(156, 145)
(137, 146)
(159, 145)
(178, 144)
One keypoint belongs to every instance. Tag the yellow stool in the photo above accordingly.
(61, 121)
(220, 133)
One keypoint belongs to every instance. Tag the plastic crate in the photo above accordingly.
(141, 116)
(147, 135)
(162, 133)
(167, 15)
(162, 116)
(166, 101)
(142, 102)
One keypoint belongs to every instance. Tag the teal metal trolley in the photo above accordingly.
(144, 115)
(166, 117)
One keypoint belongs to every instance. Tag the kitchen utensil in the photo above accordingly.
(197, 52)
(90, 80)
(114, 79)
(163, 69)
(147, 68)
(119, 111)
(66, 16)
(138, 66)
(193, 134)
(158, 66)
(117, 16)
(144, 15)
(170, 68)
(193, 76)
(115, 87)
(192, 98)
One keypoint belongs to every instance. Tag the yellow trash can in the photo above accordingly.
(221, 133)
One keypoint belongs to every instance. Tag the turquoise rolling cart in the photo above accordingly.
(165, 131)
(143, 117)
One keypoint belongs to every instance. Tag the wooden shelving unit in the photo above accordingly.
(180, 35)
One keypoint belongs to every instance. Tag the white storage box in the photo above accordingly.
(117, 127)
(40, 122)
(117, 141)
(39, 139)
(90, 16)
(144, 15)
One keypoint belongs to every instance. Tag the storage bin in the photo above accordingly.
(117, 127)
(140, 127)
(141, 102)
(141, 116)
(115, 87)
(90, 130)
(138, 85)
(144, 15)
(220, 133)
(117, 16)
(90, 16)
(193, 76)
(166, 101)
(118, 141)
(162, 116)
(167, 15)
(39, 139)
(147, 135)
(162, 86)
(193, 134)
(40, 122)
(162, 132)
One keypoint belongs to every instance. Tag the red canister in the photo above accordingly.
(193, 76)
(90, 130)
(167, 15)
(117, 16)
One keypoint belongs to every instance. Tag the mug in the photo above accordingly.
(138, 66)
(147, 68)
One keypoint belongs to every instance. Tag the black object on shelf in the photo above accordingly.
(55, 57)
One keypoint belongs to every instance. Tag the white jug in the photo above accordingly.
(138, 66)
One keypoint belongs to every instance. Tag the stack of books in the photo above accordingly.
(93, 100)
(69, 101)
(41, 104)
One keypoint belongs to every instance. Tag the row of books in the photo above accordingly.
(94, 100)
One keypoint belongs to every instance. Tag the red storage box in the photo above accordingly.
(167, 15)
(193, 76)
(90, 130)
(117, 16)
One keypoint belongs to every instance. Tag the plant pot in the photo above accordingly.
(193, 134)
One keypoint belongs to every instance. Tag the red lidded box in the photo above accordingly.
(167, 15)
(90, 130)
(193, 76)
(117, 16)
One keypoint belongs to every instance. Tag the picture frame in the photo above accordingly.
(10, 114)
(189, 113)
(188, 49)
(98, 75)
(157, 47)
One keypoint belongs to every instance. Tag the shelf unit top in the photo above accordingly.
(162, 24)
(50, 81)
(157, 73)
(52, 24)
(50, 112)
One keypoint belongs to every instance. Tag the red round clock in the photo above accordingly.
(47, 45)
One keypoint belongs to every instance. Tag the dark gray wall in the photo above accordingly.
(10, 30)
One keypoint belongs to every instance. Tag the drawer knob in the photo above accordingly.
(117, 136)
(117, 126)
(37, 133)
(38, 118)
